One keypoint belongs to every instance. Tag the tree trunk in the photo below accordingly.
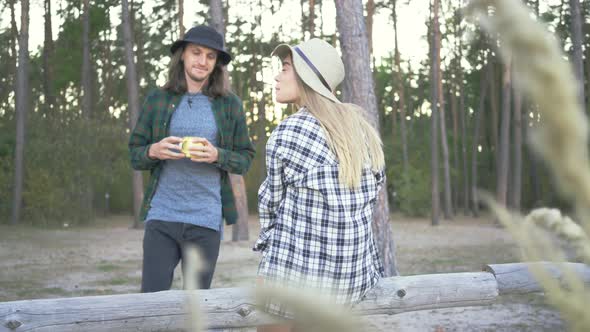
(517, 168)
(401, 94)
(86, 186)
(360, 90)
(369, 23)
(12, 74)
(435, 49)
(14, 33)
(47, 64)
(133, 100)
(216, 19)
(465, 169)
(483, 85)
(533, 161)
(181, 18)
(448, 201)
(86, 71)
(311, 18)
(456, 178)
(587, 67)
(494, 108)
(240, 228)
(576, 38)
(534, 168)
(504, 147)
(23, 103)
(303, 20)
(137, 24)
(107, 72)
(455, 76)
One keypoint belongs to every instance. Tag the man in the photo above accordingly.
(187, 198)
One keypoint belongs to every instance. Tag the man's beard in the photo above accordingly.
(196, 78)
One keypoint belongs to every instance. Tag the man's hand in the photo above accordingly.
(205, 153)
(164, 149)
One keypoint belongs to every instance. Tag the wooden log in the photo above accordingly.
(226, 308)
(411, 293)
(516, 278)
(231, 307)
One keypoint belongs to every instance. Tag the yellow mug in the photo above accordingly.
(187, 143)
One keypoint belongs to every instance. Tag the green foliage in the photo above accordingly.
(63, 161)
(412, 191)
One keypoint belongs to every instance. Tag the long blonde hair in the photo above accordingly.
(353, 140)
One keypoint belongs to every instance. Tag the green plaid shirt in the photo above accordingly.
(235, 150)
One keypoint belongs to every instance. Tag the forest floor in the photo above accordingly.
(106, 259)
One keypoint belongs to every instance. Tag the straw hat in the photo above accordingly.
(317, 63)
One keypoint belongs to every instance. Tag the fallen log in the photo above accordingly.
(227, 308)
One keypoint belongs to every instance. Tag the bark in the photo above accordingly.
(448, 202)
(311, 18)
(360, 91)
(435, 49)
(534, 168)
(86, 186)
(86, 71)
(133, 100)
(240, 228)
(401, 94)
(576, 38)
(517, 166)
(454, 106)
(217, 20)
(23, 105)
(504, 148)
(460, 78)
(13, 32)
(369, 23)
(483, 88)
(47, 63)
(181, 18)
(465, 169)
(494, 108)
(587, 65)
(107, 72)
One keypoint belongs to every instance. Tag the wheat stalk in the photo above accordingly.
(561, 139)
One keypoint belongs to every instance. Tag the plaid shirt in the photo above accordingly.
(235, 150)
(315, 231)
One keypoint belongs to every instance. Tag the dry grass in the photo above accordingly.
(561, 139)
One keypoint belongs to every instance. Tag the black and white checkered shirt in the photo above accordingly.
(315, 231)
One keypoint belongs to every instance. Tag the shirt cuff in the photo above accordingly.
(221, 157)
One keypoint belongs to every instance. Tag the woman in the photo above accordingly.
(324, 169)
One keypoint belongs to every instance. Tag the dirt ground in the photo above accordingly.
(106, 259)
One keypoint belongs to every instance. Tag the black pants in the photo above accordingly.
(163, 245)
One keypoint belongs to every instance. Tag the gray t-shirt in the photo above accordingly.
(187, 191)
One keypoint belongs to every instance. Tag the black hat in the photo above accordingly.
(204, 36)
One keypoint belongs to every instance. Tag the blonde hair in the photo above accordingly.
(353, 140)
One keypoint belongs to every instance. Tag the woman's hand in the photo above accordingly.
(205, 152)
(165, 149)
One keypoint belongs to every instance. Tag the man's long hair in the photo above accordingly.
(217, 84)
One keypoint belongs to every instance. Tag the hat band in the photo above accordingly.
(313, 68)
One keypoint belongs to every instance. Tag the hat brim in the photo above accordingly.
(224, 57)
(306, 74)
